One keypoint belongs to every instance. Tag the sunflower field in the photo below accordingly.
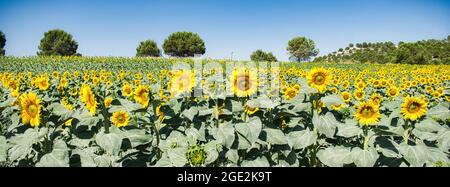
(118, 112)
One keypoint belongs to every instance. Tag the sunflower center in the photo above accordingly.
(243, 83)
(414, 107)
(32, 110)
(392, 92)
(319, 79)
(367, 112)
(120, 118)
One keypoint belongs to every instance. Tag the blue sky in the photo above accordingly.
(115, 27)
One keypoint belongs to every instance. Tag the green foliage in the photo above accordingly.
(261, 56)
(183, 44)
(420, 52)
(57, 43)
(148, 48)
(2, 43)
(302, 49)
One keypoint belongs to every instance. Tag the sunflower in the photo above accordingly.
(141, 95)
(88, 98)
(367, 113)
(181, 82)
(159, 113)
(108, 101)
(250, 111)
(393, 91)
(42, 83)
(55, 74)
(319, 78)
(68, 122)
(30, 109)
(120, 118)
(66, 104)
(244, 82)
(413, 108)
(337, 107)
(346, 97)
(290, 92)
(359, 94)
(376, 98)
(127, 91)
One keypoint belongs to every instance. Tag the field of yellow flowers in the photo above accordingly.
(108, 111)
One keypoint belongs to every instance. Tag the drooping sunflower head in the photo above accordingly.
(346, 97)
(244, 82)
(141, 95)
(181, 82)
(319, 78)
(367, 113)
(108, 102)
(251, 110)
(88, 98)
(413, 108)
(120, 118)
(30, 109)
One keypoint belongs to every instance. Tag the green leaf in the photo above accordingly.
(364, 158)
(440, 111)
(59, 157)
(330, 100)
(436, 155)
(349, 129)
(275, 136)
(236, 106)
(59, 110)
(3, 149)
(325, 124)
(177, 156)
(301, 107)
(232, 155)
(86, 158)
(388, 147)
(125, 105)
(190, 113)
(110, 142)
(225, 134)
(197, 134)
(428, 125)
(335, 156)
(22, 144)
(302, 139)
(444, 140)
(86, 119)
(137, 137)
(14, 122)
(251, 130)
(211, 152)
(259, 162)
(416, 156)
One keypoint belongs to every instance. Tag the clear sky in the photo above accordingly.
(115, 27)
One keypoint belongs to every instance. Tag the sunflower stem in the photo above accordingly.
(406, 134)
(366, 137)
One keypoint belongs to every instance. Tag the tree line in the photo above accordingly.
(188, 44)
(57, 42)
(421, 52)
